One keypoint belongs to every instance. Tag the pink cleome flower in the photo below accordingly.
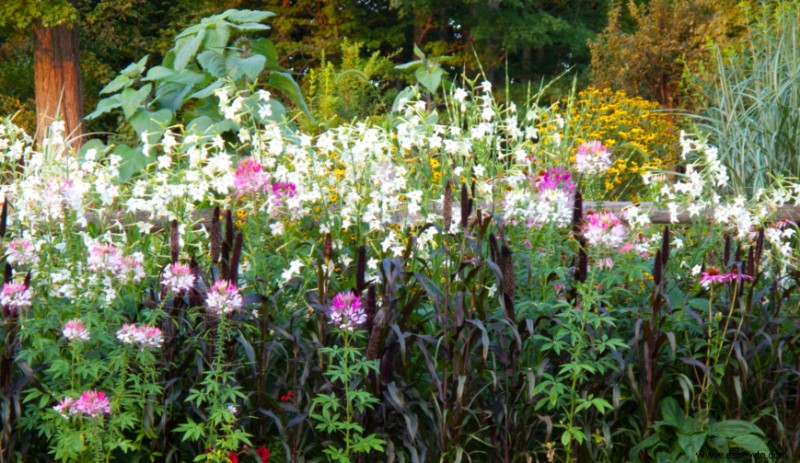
(178, 278)
(249, 177)
(554, 178)
(592, 158)
(92, 403)
(346, 311)
(15, 296)
(604, 229)
(75, 330)
(282, 191)
(144, 336)
(21, 252)
(223, 298)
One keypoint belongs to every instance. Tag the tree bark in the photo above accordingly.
(56, 69)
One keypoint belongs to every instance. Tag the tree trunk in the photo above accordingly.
(56, 69)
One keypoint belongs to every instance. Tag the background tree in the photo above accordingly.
(644, 47)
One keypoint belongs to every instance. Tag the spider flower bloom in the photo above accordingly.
(713, 276)
(282, 191)
(555, 178)
(223, 298)
(64, 407)
(249, 177)
(75, 330)
(346, 311)
(592, 158)
(21, 252)
(91, 403)
(105, 257)
(604, 229)
(15, 296)
(144, 336)
(178, 278)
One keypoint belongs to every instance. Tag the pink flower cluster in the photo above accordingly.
(75, 330)
(604, 229)
(178, 278)
(107, 258)
(21, 252)
(249, 177)
(91, 403)
(592, 158)
(554, 178)
(15, 296)
(144, 336)
(346, 311)
(714, 276)
(282, 191)
(223, 298)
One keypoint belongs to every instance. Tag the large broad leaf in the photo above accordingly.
(692, 443)
(265, 47)
(751, 443)
(186, 77)
(244, 16)
(732, 428)
(213, 62)
(171, 95)
(186, 49)
(133, 161)
(284, 82)
(238, 67)
(136, 69)
(429, 78)
(133, 99)
(207, 91)
(249, 27)
(405, 95)
(120, 81)
(154, 123)
(105, 105)
(158, 73)
(217, 37)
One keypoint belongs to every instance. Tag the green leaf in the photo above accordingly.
(266, 48)
(243, 16)
(158, 73)
(186, 49)
(186, 77)
(136, 69)
(692, 443)
(751, 443)
(133, 161)
(430, 79)
(117, 83)
(217, 37)
(247, 27)
(133, 99)
(409, 65)
(154, 123)
(237, 67)
(105, 105)
(213, 62)
(284, 82)
(207, 91)
(732, 428)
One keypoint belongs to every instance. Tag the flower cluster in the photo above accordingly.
(223, 298)
(346, 311)
(92, 403)
(108, 258)
(592, 158)
(15, 296)
(21, 252)
(604, 229)
(144, 335)
(249, 177)
(75, 330)
(178, 278)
